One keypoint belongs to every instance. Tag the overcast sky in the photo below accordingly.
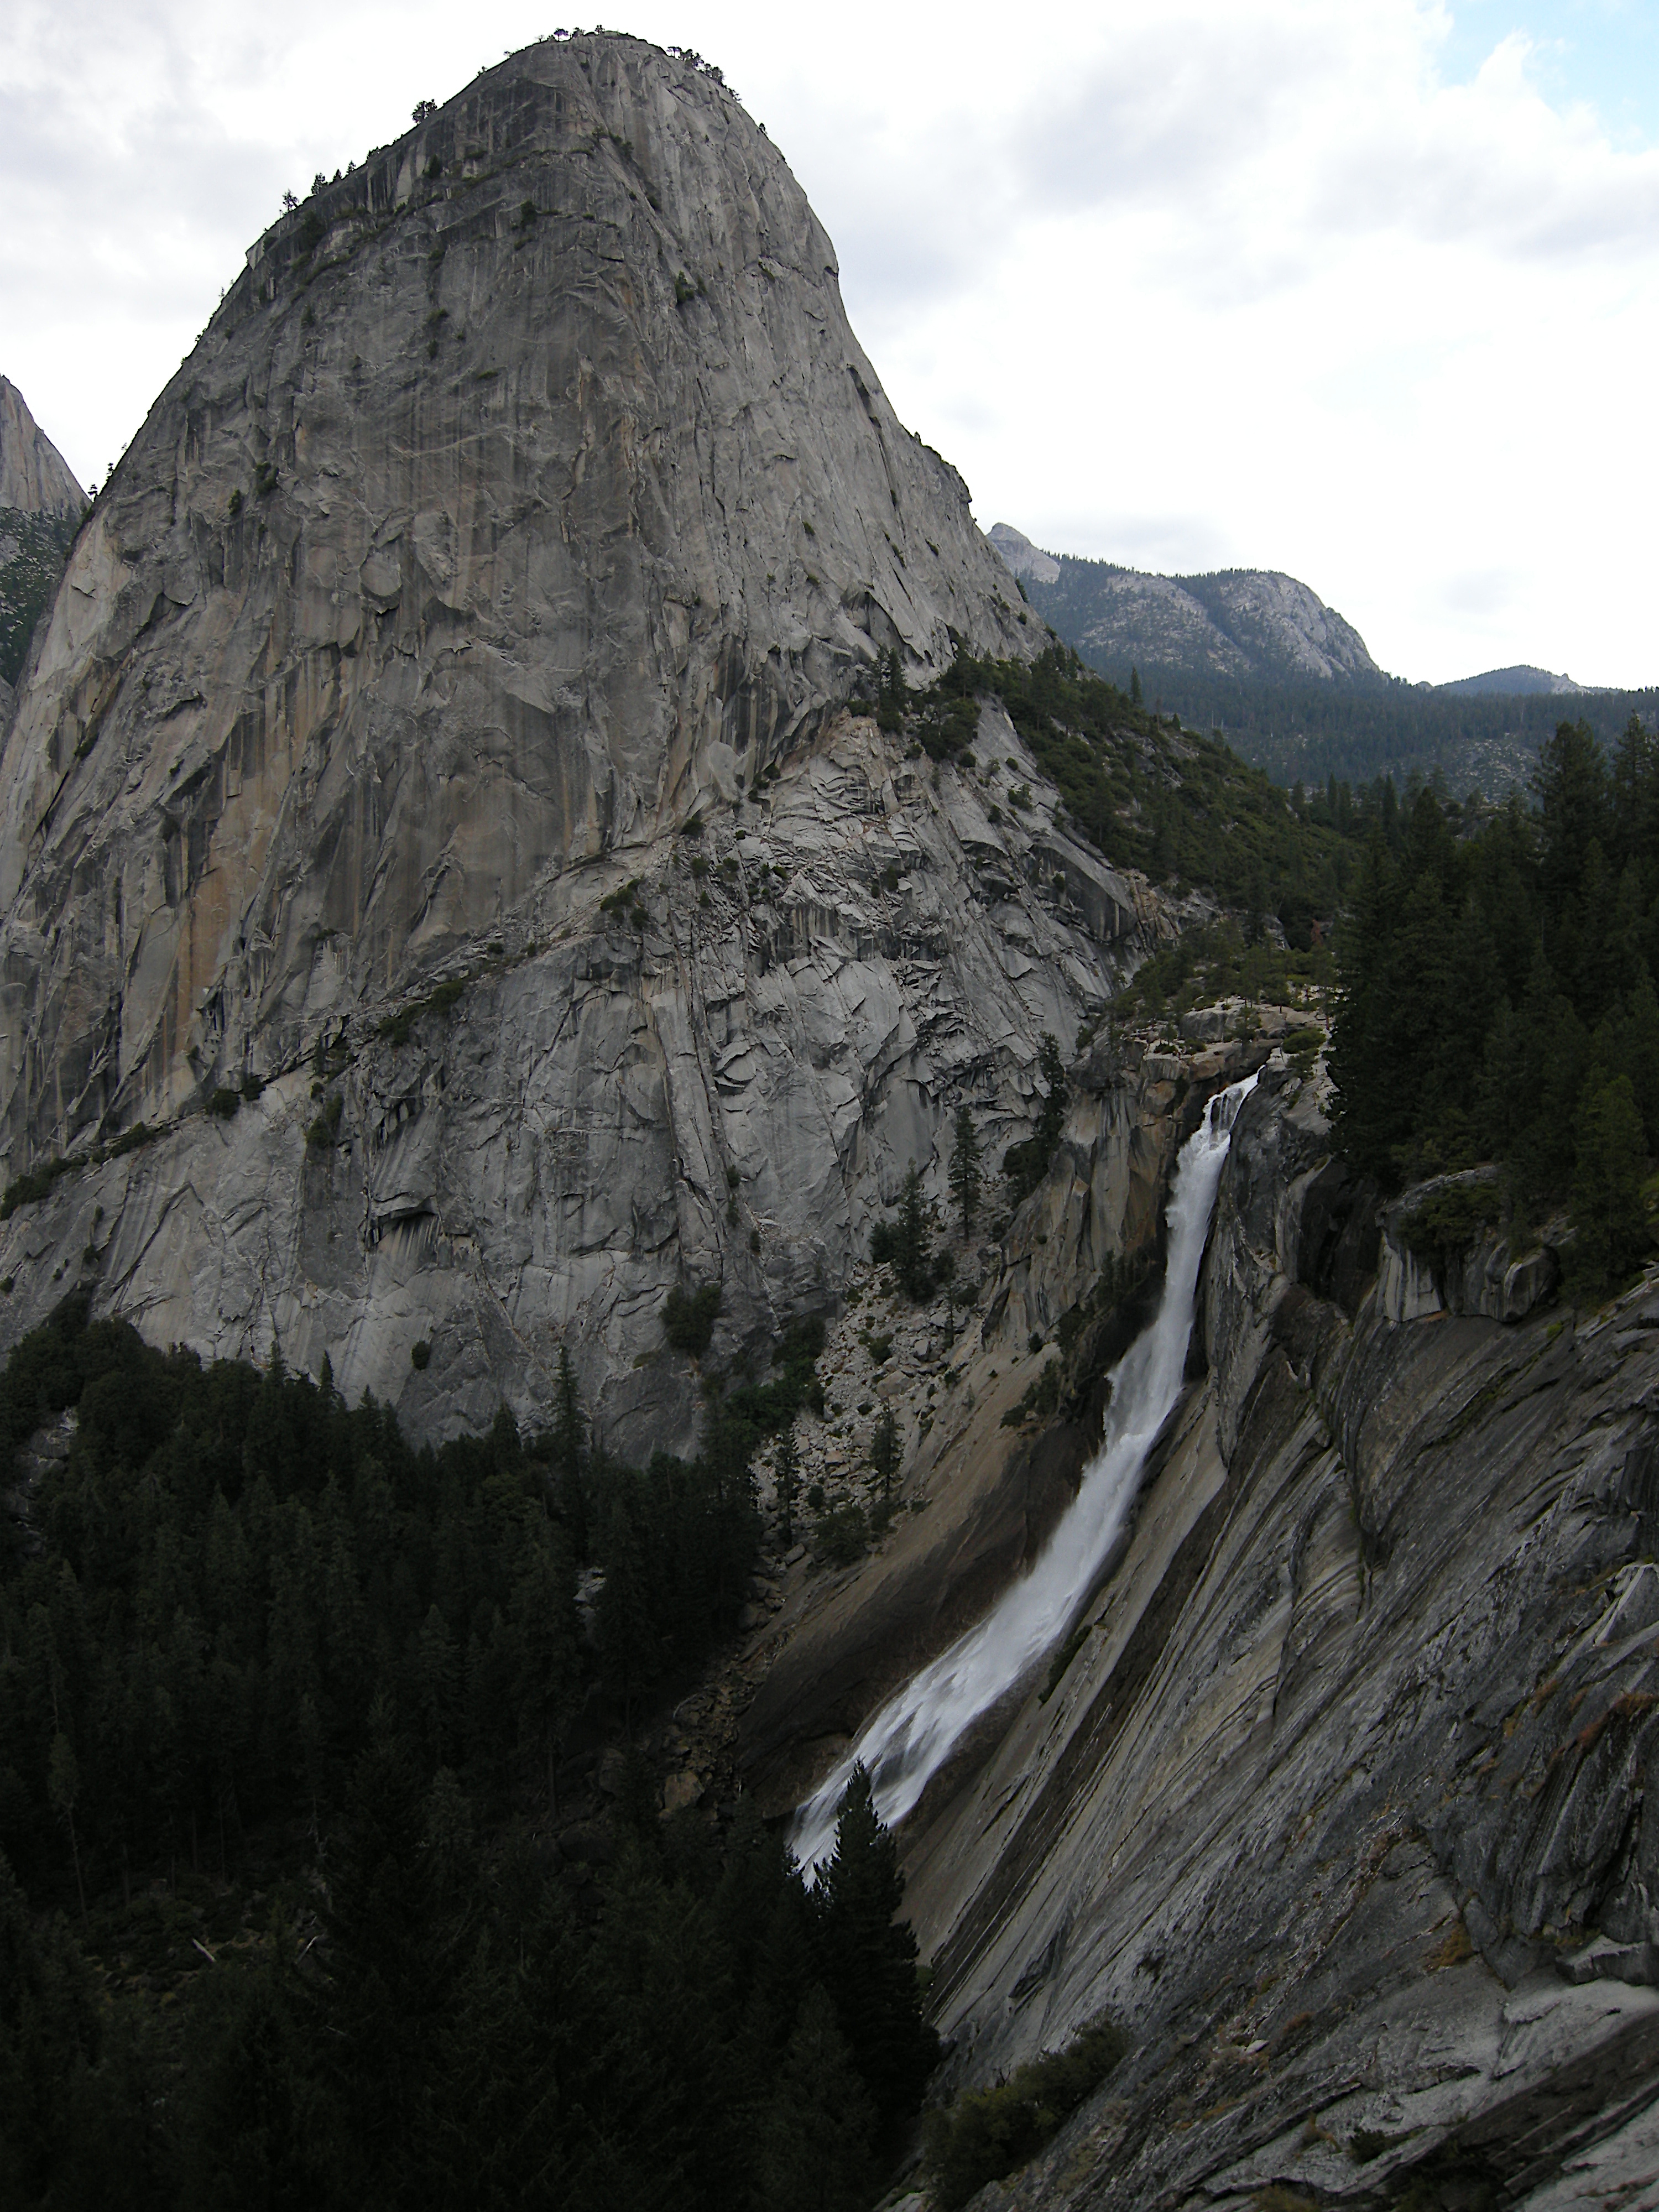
(1363, 290)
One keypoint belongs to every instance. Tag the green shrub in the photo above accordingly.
(251, 1087)
(224, 1103)
(396, 1029)
(420, 1356)
(687, 1318)
(323, 1132)
(1040, 1401)
(987, 2133)
(25, 1189)
(841, 1536)
(1367, 2143)
(905, 1245)
(1444, 1226)
(130, 1140)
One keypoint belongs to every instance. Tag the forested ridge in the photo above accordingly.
(1314, 730)
(283, 1706)
(1145, 792)
(1496, 1004)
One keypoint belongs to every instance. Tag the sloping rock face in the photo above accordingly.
(501, 515)
(1235, 621)
(41, 506)
(1480, 1275)
(1342, 1805)
(1022, 557)
(527, 502)
(34, 477)
(980, 1501)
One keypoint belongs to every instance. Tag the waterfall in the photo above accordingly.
(912, 1736)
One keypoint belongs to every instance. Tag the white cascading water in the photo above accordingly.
(912, 1736)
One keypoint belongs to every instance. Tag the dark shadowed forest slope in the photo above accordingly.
(282, 1709)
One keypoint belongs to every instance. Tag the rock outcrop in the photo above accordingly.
(41, 506)
(437, 762)
(1242, 623)
(982, 1489)
(1024, 558)
(34, 477)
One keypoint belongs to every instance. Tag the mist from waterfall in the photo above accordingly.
(913, 1735)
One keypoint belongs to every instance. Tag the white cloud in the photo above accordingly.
(1240, 281)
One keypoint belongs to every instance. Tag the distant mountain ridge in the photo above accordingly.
(1522, 682)
(40, 507)
(1259, 657)
(1250, 622)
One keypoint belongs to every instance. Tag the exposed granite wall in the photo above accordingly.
(527, 500)
(1341, 1806)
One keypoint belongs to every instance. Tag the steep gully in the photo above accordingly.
(915, 1733)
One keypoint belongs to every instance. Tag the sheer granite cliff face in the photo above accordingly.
(527, 506)
(1344, 1805)
(34, 477)
(41, 506)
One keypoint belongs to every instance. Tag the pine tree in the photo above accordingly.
(628, 1616)
(397, 1939)
(866, 1957)
(1025, 1164)
(1361, 1058)
(568, 1443)
(1606, 1184)
(544, 1639)
(63, 1788)
(965, 1168)
(1051, 1071)
(884, 1451)
(913, 1256)
(815, 2139)
(892, 697)
(786, 1469)
(247, 2130)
